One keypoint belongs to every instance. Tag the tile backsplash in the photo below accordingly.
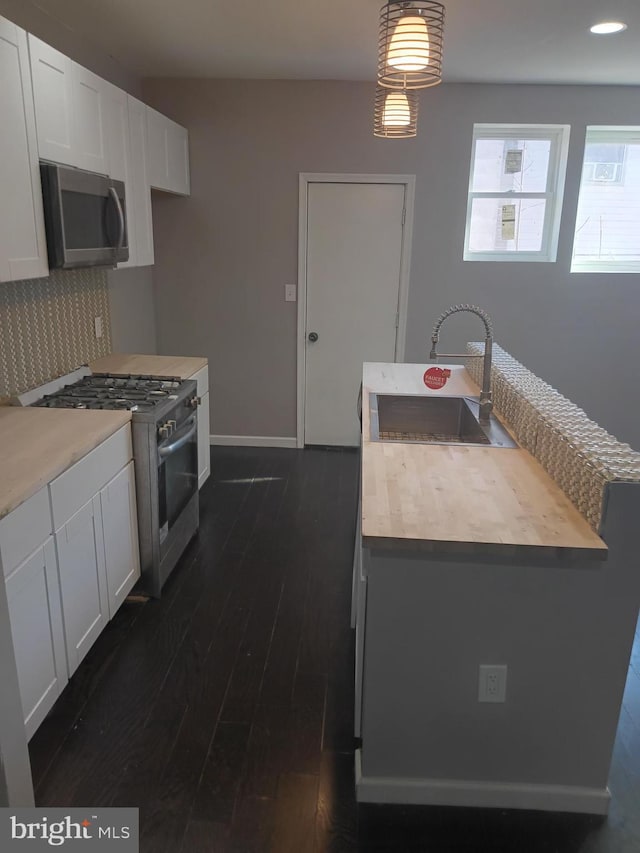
(47, 326)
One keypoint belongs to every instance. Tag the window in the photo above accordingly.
(607, 236)
(515, 192)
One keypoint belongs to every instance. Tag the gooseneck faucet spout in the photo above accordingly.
(486, 404)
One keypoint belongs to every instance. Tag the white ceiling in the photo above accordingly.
(523, 41)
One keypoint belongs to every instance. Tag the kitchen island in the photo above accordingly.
(468, 557)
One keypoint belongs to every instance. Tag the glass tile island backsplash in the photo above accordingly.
(47, 326)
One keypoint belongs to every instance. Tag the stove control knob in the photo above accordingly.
(194, 402)
(164, 431)
(172, 426)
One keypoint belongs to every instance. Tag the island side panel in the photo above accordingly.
(564, 634)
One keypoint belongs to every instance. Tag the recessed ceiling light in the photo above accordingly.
(607, 27)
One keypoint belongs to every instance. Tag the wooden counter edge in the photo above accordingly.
(450, 548)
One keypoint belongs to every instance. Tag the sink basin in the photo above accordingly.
(417, 418)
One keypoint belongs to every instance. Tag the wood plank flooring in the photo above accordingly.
(224, 711)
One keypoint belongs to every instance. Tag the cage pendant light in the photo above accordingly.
(395, 114)
(410, 44)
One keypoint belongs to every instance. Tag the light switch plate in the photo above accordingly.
(289, 293)
(97, 325)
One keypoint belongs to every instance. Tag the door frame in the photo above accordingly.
(306, 178)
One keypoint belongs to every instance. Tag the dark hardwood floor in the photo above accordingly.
(224, 710)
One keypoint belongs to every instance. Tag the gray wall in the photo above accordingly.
(224, 254)
(132, 310)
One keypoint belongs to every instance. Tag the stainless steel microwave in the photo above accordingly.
(84, 216)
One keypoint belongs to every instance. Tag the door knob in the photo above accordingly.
(313, 337)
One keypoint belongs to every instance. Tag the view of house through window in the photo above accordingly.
(515, 192)
(607, 236)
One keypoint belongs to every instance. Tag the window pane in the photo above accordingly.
(506, 225)
(608, 220)
(517, 165)
(603, 162)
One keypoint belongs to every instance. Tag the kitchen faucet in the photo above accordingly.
(486, 404)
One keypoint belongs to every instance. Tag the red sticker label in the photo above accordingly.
(436, 377)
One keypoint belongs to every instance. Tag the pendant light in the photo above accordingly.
(410, 44)
(395, 114)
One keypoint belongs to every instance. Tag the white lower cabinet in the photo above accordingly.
(35, 614)
(120, 529)
(63, 589)
(83, 582)
(204, 450)
(94, 512)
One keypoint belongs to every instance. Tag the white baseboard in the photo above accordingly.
(254, 440)
(470, 793)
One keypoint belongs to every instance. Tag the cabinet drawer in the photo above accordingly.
(24, 530)
(71, 490)
(202, 380)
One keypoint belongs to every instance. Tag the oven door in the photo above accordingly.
(84, 218)
(177, 474)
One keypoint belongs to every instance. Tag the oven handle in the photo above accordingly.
(116, 199)
(179, 442)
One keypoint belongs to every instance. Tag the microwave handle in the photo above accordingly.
(116, 199)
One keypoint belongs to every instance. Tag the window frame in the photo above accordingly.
(558, 136)
(613, 134)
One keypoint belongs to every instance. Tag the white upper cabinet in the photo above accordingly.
(70, 106)
(117, 133)
(52, 74)
(168, 154)
(119, 164)
(89, 112)
(138, 189)
(23, 249)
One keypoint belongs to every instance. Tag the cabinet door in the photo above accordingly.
(119, 159)
(204, 448)
(361, 616)
(168, 154)
(120, 526)
(23, 248)
(117, 132)
(38, 639)
(178, 158)
(81, 568)
(158, 168)
(138, 189)
(89, 110)
(52, 74)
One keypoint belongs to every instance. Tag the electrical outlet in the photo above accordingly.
(97, 325)
(492, 683)
(289, 293)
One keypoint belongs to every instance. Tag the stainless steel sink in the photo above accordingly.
(421, 419)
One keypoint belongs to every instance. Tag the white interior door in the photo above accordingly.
(354, 255)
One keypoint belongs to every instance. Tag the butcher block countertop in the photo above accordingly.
(148, 365)
(462, 500)
(38, 444)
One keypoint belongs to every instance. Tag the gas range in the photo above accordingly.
(106, 391)
(164, 431)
